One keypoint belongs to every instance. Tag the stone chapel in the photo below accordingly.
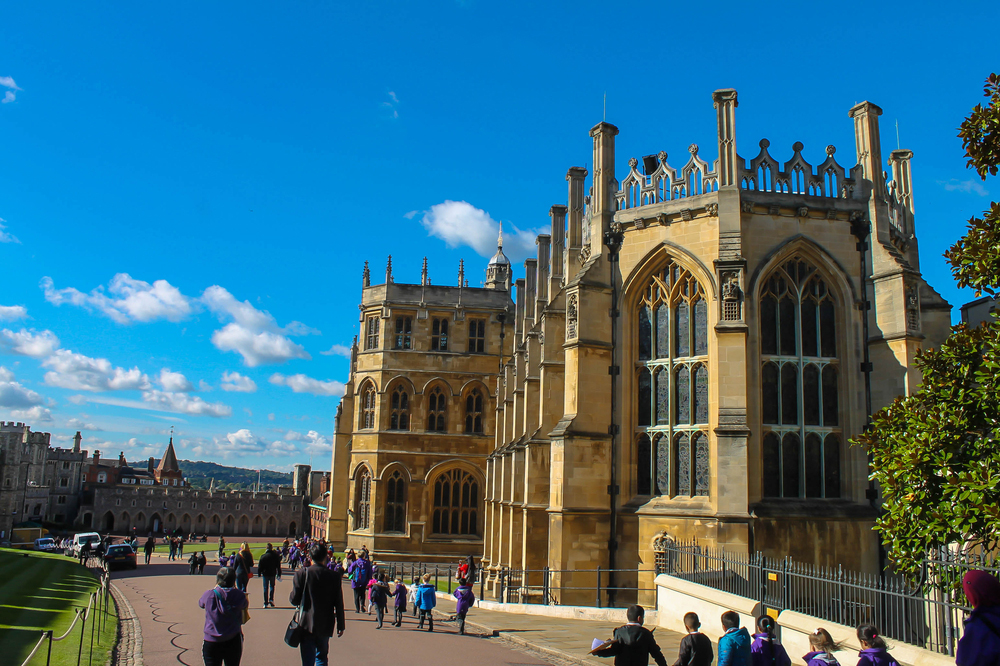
(687, 357)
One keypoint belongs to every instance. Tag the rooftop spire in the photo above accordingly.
(168, 463)
(388, 271)
(423, 273)
(366, 276)
(500, 237)
(461, 272)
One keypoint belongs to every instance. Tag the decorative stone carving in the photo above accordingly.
(831, 214)
(662, 219)
(686, 214)
(571, 317)
(640, 223)
(731, 297)
(774, 210)
(633, 163)
(857, 216)
(712, 209)
(616, 227)
(912, 307)
(662, 541)
(584, 253)
(803, 211)
(746, 206)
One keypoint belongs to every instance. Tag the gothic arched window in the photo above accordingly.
(474, 412)
(672, 455)
(800, 400)
(362, 499)
(435, 410)
(366, 417)
(399, 418)
(456, 504)
(395, 503)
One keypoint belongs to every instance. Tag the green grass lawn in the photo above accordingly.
(41, 592)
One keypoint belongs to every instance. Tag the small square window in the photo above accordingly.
(404, 330)
(477, 336)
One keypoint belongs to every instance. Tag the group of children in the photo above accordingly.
(421, 596)
(634, 644)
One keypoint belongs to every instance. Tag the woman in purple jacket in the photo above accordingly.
(464, 597)
(223, 604)
(980, 642)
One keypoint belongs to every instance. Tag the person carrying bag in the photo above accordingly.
(319, 597)
(225, 613)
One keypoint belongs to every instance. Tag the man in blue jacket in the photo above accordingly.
(734, 646)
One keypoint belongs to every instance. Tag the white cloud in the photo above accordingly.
(37, 414)
(6, 375)
(234, 381)
(253, 334)
(314, 442)
(82, 425)
(203, 385)
(77, 372)
(133, 448)
(411, 214)
(130, 300)
(183, 403)
(20, 403)
(460, 223)
(338, 350)
(270, 417)
(970, 186)
(174, 381)
(8, 82)
(29, 343)
(392, 105)
(245, 442)
(302, 384)
(13, 312)
(7, 237)
(257, 348)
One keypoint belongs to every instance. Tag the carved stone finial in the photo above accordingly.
(388, 270)
(693, 149)
(366, 276)
(662, 156)
(797, 146)
(500, 237)
(831, 149)
(633, 163)
(764, 143)
(423, 273)
(461, 272)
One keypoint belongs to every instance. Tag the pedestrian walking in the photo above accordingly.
(222, 546)
(224, 612)
(171, 554)
(244, 566)
(765, 649)
(734, 646)
(874, 651)
(85, 552)
(426, 600)
(268, 568)
(399, 602)
(821, 650)
(192, 563)
(633, 644)
(464, 599)
(319, 592)
(202, 561)
(378, 597)
(360, 575)
(696, 647)
(980, 642)
(149, 547)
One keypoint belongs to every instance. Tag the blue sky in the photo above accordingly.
(188, 191)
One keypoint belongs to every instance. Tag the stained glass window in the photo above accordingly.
(644, 466)
(672, 385)
(800, 400)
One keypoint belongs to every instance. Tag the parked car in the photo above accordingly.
(79, 539)
(47, 544)
(120, 555)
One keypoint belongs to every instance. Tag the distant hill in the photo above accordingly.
(200, 474)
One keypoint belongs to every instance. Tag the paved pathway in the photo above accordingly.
(165, 601)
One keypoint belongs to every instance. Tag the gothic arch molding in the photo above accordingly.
(802, 244)
(654, 259)
(388, 469)
(441, 467)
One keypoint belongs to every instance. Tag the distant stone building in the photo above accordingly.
(417, 421)
(319, 512)
(120, 498)
(39, 483)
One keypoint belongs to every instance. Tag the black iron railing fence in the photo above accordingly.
(916, 613)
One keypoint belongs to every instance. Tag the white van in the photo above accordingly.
(93, 538)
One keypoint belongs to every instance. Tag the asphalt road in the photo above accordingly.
(165, 599)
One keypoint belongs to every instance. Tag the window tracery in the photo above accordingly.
(399, 417)
(436, 403)
(366, 418)
(395, 503)
(456, 504)
(362, 499)
(474, 412)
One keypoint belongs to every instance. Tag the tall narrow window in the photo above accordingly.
(362, 499)
(477, 336)
(800, 402)
(371, 332)
(643, 466)
(436, 410)
(439, 335)
(404, 333)
(474, 412)
(395, 503)
(399, 419)
(672, 388)
(456, 504)
(366, 419)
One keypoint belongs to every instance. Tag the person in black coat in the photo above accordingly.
(319, 591)
(268, 568)
(633, 644)
(696, 647)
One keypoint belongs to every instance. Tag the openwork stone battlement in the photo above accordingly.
(666, 183)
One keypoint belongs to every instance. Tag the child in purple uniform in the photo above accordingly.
(399, 594)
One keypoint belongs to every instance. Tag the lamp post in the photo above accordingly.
(613, 240)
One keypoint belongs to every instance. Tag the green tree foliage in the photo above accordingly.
(936, 453)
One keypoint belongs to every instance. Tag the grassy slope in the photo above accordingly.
(42, 592)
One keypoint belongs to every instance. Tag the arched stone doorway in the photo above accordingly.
(199, 524)
(291, 529)
(244, 526)
(156, 524)
(272, 526)
(215, 525)
(258, 526)
(140, 522)
(109, 521)
(186, 523)
(124, 523)
(230, 525)
(88, 521)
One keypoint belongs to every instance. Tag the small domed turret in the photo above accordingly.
(498, 270)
